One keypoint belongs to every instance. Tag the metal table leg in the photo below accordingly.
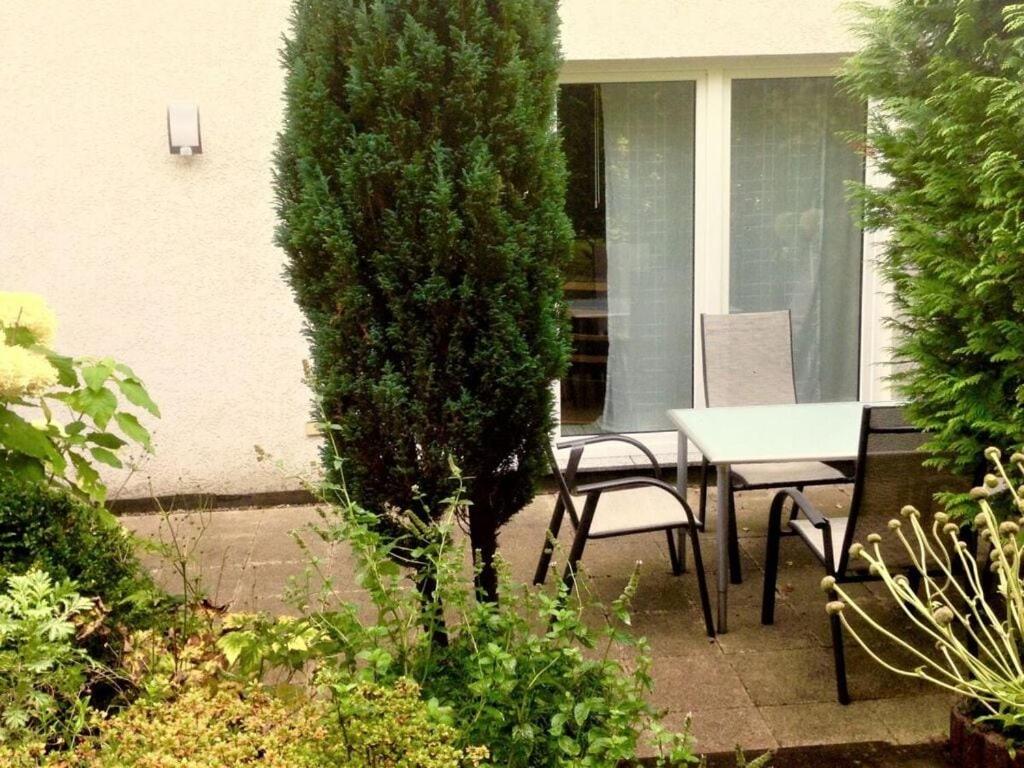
(722, 539)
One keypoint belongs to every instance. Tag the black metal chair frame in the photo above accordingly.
(735, 569)
(839, 571)
(582, 521)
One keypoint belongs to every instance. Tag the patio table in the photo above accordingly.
(759, 434)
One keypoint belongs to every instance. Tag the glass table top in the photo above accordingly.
(771, 433)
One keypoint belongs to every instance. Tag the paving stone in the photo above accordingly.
(825, 723)
(786, 677)
(914, 721)
(723, 729)
(698, 682)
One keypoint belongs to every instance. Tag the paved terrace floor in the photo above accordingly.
(759, 687)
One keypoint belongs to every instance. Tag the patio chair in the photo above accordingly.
(889, 475)
(748, 360)
(620, 507)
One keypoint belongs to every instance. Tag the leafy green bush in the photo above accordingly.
(43, 674)
(46, 527)
(421, 193)
(363, 726)
(526, 677)
(36, 384)
(946, 82)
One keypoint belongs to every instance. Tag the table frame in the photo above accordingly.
(724, 489)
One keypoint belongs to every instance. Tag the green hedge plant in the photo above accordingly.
(420, 190)
(945, 79)
(46, 527)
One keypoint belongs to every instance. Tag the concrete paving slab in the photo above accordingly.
(825, 723)
(722, 730)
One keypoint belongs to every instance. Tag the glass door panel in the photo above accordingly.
(630, 152)
(794, 243)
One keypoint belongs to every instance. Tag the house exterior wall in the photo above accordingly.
(168, 263)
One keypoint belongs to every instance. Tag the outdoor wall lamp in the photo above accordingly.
(183, 129)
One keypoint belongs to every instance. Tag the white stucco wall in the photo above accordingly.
(168, 263)
(164, 262)
(694, 29)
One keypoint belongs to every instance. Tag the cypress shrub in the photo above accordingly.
(420, 192)
(946, 82)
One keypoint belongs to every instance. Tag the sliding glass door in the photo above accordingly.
(793, 242)
(630, 148)
(640, 155)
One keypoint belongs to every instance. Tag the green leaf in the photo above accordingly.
(106, 440)
(66, 374)
(26, 467)
(99, 405)
(74, 428)
(568, 746)
(18, 435)
(107, 457)
(580, 712)
(96, 375)
(88, 477)
(136, 394)
(133, 429)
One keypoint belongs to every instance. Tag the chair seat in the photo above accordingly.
(816, 541)
(634, 510)
(783, 474)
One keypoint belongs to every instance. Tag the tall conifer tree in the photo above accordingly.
(421, 192)
(946, 81)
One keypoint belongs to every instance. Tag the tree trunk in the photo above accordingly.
(433, 612)
(483, 536)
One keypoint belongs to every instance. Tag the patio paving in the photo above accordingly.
(758, 687)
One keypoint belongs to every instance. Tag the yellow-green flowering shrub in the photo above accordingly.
(364, 726)
(30, 312)
(23, 372)
(60, 417)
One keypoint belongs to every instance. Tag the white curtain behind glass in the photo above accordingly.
(793, 241)
(649, 149)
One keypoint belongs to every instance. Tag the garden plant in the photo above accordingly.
(945, 79)
(79, 417)
(967, 634)
(421, 197)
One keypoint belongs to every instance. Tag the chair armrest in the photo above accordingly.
(584, 441)
(804, 505)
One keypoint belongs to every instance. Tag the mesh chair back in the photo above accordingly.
(748, 359)
(890, 475)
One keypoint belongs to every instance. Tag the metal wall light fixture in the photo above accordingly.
(183, 135)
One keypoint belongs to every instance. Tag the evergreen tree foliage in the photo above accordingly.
(946, 80)
(420, 191)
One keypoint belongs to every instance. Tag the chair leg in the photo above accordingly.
(673, 555)
(681, 548)
(702, 584)
(771, 561)
(579, 541)
(794, 510)
(735, 571)
(842, 692)
(549, 542)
